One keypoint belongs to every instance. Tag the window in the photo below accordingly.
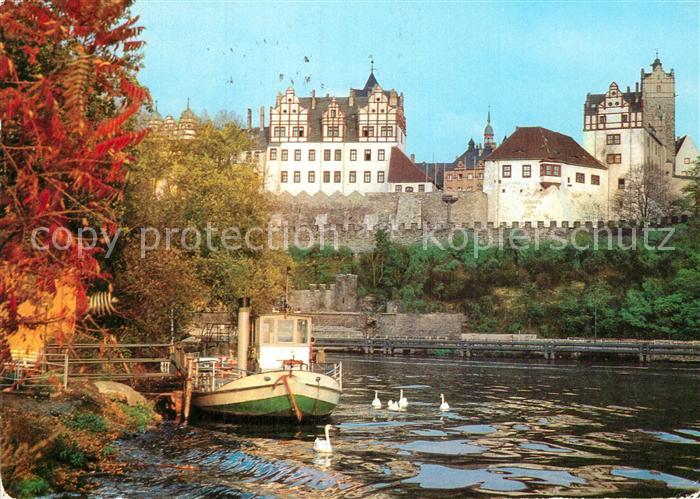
(248, 155)
(280, 131)
(368, 154)
(285, 331)
(312, 154)
(614, 159)
(470, 176)
(283, 177)
(353, 154)
(397, 188)
(336, 177)
(421, 187)
(387, 131)
(380, 177)
(297, 177)
(297, 154)
(353, 177)
(326, 177)
(326, 155)
(595, 179)
(613, 138)
(368, 131)
(333, 113)
(506, 171)
(409, 189)
(338, 154)
(285, 155)
(686, 161)
(380, 155)
(620, 183)
(581, 178)
(298, 131)
(449, 176)
(527, 171)
(273, 153)
(601, 120)
(312, 177)
(548, 170)
(624, 118)
(333, 131)
(368, 177)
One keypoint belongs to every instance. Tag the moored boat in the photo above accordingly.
(280, 377)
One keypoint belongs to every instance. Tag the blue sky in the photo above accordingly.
(532, 62)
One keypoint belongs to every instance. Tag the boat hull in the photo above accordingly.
(268, 394)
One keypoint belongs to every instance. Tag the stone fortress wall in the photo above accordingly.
(353, 222)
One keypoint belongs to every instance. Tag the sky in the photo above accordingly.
(531, 63)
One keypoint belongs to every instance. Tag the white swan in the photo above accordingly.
(444, 407)
(376, 403)
(403, 401)
(393, 406)
(324, 446)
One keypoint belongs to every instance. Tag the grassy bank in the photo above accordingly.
(630, 290)
(56, 444)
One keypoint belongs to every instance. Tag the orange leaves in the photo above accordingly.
(65, 145)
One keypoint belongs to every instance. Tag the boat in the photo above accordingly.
(275, 373)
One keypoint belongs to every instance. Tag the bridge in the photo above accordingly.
(550, 349)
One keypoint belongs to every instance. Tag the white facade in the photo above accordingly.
(312, 173)
(686, 156)
(553, 191)
(331, 145)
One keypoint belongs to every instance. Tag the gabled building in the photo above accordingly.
(339, 144)
(626, 130)
(184, 128)
(537, 174)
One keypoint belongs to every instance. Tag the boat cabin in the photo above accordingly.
(282, 337)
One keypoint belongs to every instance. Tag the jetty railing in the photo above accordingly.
(548, 348)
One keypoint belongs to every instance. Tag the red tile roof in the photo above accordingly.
(545, 145)
(402, 169)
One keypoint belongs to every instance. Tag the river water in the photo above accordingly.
(514, 428)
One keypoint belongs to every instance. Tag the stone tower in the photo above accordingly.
(659, 98)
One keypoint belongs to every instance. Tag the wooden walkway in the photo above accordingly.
(549, 349)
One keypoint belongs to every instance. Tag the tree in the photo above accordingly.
(646, 194)
(180, 191)
(67, 93)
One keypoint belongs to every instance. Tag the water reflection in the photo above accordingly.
(513, 429)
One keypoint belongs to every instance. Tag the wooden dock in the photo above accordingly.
(645, 351)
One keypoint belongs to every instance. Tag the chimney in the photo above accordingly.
(393, 98)
(249, 122)
(413, 158)
(262, 117)
(636, 87)
(628, 89)
(351, 98)
(313, 99)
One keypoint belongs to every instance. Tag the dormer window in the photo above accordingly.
(333, 113)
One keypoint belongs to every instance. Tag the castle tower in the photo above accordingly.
(489, 142)
(659, 98)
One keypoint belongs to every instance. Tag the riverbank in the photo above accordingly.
(60, 442)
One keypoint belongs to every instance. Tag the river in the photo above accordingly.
(514, 428)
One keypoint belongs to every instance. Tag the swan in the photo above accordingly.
(444, 406)
(393, 406)
(376, 403)
(324, 446)
(403, 401)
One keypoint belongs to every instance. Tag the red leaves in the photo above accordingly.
(64, 153)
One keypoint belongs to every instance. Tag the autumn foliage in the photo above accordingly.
(67, 94)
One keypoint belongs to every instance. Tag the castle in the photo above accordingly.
(353, 144)
(184, 128)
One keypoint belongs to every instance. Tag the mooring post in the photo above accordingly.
(65, 370)
(188, 391)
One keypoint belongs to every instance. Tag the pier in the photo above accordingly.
(550, 349)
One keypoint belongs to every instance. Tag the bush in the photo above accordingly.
(88, 421)
(140, 416)
(33, 487)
